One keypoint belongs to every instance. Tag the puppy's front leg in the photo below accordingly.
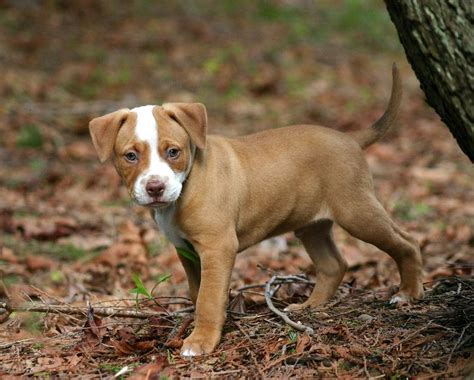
(216, 268)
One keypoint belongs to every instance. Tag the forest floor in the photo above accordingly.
(72, 244)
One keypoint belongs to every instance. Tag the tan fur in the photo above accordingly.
(104, 131)
(301, 178)
(368, 136)
(192, 117)
(173, 135)
(124, 143)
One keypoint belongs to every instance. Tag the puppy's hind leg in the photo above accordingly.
(368, 221)
(330, 265)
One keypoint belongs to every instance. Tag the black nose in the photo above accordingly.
(155, 188)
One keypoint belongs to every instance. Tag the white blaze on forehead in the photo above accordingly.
(146, 129)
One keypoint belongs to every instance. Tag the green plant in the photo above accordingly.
(170, 357)
(162, 278)
(29, 137)
(57, 277)
(188, 252)
(293, 335)
(34, 322)
(141, 289)
(407, 210)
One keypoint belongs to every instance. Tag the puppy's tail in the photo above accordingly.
(368, 136)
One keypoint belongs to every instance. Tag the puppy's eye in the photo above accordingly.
(131, 157)
(172, 153)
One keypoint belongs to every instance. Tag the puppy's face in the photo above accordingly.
(152, 147)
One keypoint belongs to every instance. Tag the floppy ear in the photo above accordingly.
(104, 130)
(192, 117)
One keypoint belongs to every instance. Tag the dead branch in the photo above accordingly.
(269, 292)
(176, 340)
(75, 310)
(281, 280)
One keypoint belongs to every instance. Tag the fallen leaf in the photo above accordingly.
(46, 364)
(6, 254)
(46, 228)
(126, 342)
(151, 370)
(237, 304)
(37, 262)
(130, 249)
(77, 150)
(302, 342)
(93, 332)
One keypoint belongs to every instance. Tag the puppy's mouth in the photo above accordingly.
(154, 203)
(157, 204)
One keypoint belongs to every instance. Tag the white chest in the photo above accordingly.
(166, 223)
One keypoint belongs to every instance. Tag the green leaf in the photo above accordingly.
(160, 279)
(140, 287)
(188, 254)
(293, 335)
(163, 278)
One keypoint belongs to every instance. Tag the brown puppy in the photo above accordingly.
(223, 195)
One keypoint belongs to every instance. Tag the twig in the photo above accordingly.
(10, 344)
(268, 298)
(177, 340)
(73, 310)
(188, 309)
(365, 368)
(457, 343)
(409, 336)
(287, 279)
(281, 359)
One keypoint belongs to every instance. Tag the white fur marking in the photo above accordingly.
(188, 352)
(165, 220)
(399, 299)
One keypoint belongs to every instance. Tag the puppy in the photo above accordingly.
(221, 195)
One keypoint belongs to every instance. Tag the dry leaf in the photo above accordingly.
(303, 341)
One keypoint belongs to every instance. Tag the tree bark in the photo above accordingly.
(438, 38)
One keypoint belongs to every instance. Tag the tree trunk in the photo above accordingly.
(438, 37)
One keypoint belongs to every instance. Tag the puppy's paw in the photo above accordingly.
(199, 344)
(403, 298)
(295, 307)
(192, 349)
(308, 304)
(400, 299)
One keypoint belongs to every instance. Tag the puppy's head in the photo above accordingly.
(152, 147)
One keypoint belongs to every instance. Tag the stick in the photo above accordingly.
(177, 340)
(457, 343)
(74, 310)
(10, 344)
(268, 298)
(282, 280)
